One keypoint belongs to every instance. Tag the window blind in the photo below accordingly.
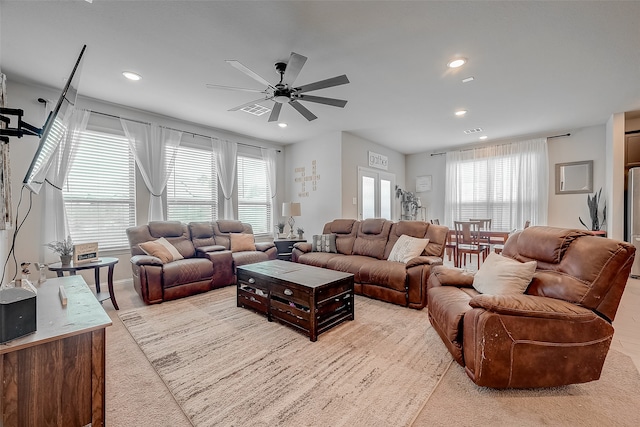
(192, 189)
(99, 193)
(254, 201)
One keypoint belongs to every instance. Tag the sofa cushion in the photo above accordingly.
(406, 248)
(384, 273)
(345, 231)
(161, 249)
(230, 226)
(349, 264)
(317, 259)
(249, 257)
(186, 271)
(372, 237)
(546, 244)
(500, 275)
(166, 228)
(242, 242)
(324, 243)
(410, 228)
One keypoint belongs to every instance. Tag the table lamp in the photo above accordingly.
(291, 209)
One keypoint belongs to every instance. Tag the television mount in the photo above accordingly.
(21, 130)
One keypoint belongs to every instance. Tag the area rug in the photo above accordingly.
(229, 366)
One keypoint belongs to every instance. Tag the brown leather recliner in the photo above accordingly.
(197, 272)
(557, 333)
(363, 248)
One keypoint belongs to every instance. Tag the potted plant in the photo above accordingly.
(280, 227)
(300, 233)
(63, 248)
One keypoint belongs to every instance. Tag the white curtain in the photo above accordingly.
(269, 155)
(507, 183)
(154, 149)
(226, 154)
(54, 224)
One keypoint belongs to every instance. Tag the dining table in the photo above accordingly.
(492, 235)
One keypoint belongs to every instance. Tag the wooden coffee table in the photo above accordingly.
(307, 298)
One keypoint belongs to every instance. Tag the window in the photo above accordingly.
(507, 183)
(99, 193)
(254, 198)
(192, 188)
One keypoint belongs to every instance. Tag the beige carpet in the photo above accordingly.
(229, 366)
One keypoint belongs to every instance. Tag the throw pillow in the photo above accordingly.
(324, 243)
(241, 242)
(499, 275)
(162, 249)
(406, 248)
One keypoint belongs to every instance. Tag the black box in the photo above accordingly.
(17, 313)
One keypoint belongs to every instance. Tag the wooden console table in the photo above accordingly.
(56, 376)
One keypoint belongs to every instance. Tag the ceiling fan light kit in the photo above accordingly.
(284, 92)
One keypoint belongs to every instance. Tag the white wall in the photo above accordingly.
(355, 153)
(583, 144)
(322, 204)
(28, 245)
(425, 164)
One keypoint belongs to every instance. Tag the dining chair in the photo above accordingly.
(468, 242)
(450, 247)
(485, 224)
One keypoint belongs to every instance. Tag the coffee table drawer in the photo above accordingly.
(291, 293)
(253, 298)
(293, 315)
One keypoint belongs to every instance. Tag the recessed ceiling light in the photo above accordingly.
(467, 80)
(483, 137)
(131, 75)
(458, 62)
(282, 125)
(461, 113)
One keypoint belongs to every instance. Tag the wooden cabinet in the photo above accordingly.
(285, 247)
(56, 376)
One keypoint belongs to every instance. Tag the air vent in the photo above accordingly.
(470, 131)
(255, 109)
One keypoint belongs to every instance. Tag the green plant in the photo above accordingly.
(593, 203)
(64, 247)
(281, 226)
(300, 230)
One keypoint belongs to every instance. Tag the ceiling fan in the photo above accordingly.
(284, 92)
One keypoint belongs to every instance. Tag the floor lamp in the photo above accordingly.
(291, 209)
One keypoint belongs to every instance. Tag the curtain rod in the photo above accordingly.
(469, 149)
(170, 128)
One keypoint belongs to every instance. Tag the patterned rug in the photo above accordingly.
(229, 366)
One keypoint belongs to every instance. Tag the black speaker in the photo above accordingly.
(17, 313)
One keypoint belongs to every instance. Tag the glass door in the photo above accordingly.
(375, 193)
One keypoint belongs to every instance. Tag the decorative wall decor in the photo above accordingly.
(304, 179)
(378, 161)
(85, 252)
(423, 183)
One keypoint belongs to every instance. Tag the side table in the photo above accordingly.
(95, 265)
(285, 247)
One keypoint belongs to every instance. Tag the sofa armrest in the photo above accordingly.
(449, 276)
(202, 250)
(303, 247)
(264, 246)
(532, 306)
(145, 260)
(424, 260)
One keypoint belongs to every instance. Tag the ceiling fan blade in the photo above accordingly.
(248, 72)
(322, 100)
(240, 107)
(210, 86)
(295, 64)
(303, 110)
(334, 81)
(275, 113)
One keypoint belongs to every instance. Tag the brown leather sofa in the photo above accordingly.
(208, 263)
(558, 332)
(363, 248)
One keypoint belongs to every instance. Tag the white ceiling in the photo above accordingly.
(539, 67)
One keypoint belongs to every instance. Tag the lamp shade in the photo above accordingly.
(291, 209)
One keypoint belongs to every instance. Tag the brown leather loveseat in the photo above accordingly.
(206, 259)
(362, 248)
(558, 332)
